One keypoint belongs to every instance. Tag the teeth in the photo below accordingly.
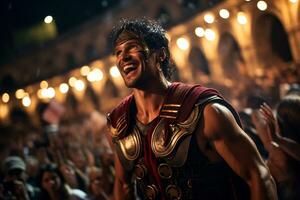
(128, 68)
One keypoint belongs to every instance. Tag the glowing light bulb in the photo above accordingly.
(209, 18)
(44, 84)
(85, 70)
(262, 5)
(48, 19)
(26, 101)
(63, 88)
(5, 97)
(210, 34)
(20, 93)
(183, 43)
(224, 13)
(241, 17)
(72, 81)
(114, 71)
(199, 31)
(79, 85)
(50, 92)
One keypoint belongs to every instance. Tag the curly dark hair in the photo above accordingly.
(148, 31)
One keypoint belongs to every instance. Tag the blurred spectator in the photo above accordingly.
(73, 177)
(281, 138)
(97, 184)
(53, 186)
(14, 185)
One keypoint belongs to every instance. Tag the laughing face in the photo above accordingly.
(135, 63)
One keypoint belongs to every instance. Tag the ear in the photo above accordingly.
(161, 54)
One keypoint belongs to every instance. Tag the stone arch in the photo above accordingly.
(199, 63)
(230, 56)
(271, 41)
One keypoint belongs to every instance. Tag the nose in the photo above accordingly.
(124, 56)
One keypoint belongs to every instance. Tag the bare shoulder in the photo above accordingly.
(219, 122)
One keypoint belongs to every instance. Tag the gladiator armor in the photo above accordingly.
(164, 156)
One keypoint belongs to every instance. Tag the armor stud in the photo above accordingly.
(173, 192)
(164, 171)
(151, 192)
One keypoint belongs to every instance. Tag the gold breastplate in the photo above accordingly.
(174, 149)
(131, 145)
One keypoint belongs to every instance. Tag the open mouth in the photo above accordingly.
(129, 68)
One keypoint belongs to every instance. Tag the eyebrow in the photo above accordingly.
(128, 43)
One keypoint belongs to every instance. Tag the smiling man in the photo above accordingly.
(173, 140)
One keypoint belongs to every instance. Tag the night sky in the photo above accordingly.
(18, 15)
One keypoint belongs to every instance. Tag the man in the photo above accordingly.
(172, 140)
(14, 185)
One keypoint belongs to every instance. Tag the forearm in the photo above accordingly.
(262, 185)
(289, 146)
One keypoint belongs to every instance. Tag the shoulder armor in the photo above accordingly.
(121, 125)
(164, 146)
(131, 145)
(118, 120)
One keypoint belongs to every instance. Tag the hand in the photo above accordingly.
(272, 125)
(20, 191)
(261, 128)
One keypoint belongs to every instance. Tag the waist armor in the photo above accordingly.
(178, 169)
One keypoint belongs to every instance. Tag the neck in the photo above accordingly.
(149, 101)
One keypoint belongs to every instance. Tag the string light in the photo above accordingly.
(199, 31)
(114, 71)
(95, 75)
(210, 34)
(224, 13)
(182, 43)
(5, 98)
(48, 19)
(72, 81)
(63, 88)
(85, 70)
(20, 93)
(262, 5)
(241, 17)
(50, 92)
(26, 101)
(44, 84)
(79, 85)
(209, 18)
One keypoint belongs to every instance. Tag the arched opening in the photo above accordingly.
(199, 63)
(230, 55)
(111, 89)
(272, 42)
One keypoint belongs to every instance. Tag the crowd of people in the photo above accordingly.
(72, 158)
(74, 162)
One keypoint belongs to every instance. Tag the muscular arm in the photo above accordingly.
(122, 190)
(240, 153)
